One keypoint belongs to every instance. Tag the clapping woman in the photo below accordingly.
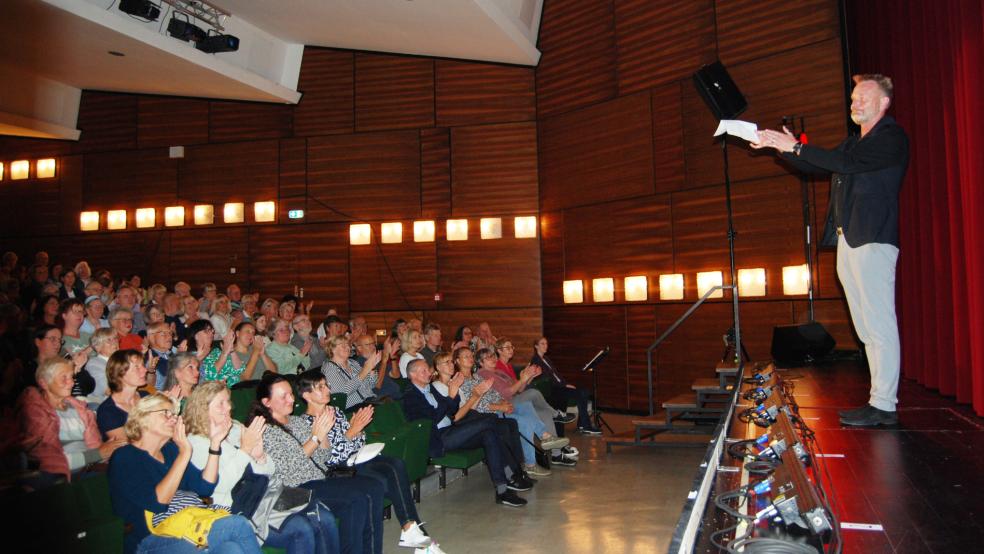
(209, 411)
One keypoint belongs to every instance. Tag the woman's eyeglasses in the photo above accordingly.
(167, 413)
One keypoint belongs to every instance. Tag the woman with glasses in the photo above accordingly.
(345, 374)
(286, 357)
(154, 474)
(121, 320)
(182, 378)
(199, 338)
(346, 438)
(103, 343)
(126, 374)
(46, 311)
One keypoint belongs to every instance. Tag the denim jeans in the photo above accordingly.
(529, 426)
(358, 504)
(229, 535)
(559, 395)
(392, 474)
(306, 534)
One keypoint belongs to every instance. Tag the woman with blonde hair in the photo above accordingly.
(220, 311)
(412, 341)
(208, 412)
(154, 474)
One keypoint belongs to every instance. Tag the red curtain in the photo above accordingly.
(934, 52)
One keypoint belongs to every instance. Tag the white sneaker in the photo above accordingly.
(413, 537)
(432, 549)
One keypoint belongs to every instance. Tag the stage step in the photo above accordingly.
(710, 385)
(681, 401)
(726, 368)
(665, 439)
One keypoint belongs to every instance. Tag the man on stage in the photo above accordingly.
(863, 222)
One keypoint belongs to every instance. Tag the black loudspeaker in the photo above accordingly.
(719, 91)
(808, 342)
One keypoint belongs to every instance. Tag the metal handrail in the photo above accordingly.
(669, 331)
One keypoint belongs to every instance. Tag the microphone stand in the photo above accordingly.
(789, 121)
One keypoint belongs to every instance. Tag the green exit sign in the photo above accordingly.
(295, 214)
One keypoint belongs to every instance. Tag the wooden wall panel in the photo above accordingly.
(394, 276)
(145, 252)
(219, 173)
(488, 273)
(748, 29)
(597, 154)
(577, 65)
(640, 332)
(366, 176)
(36, 209)
(552, 266)
(312, 257)
(328, 104)
(108, 121)
(658, 42)
(164, 121)
(230, 121)
(520, 325)
(493, 169)
(70, 176)
(16, 148)
(470, 93)
(292, 192)
(205, 255)
(669, 167)
(130, 179)
(393, 92)
(435, 172)
(787, 83)
(576, 334)
(617, 239)
(769, 222)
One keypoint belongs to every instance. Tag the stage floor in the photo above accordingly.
(921, 482)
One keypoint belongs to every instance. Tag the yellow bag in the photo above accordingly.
(191, 524)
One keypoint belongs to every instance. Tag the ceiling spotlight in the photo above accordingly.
(143, 9)
(218, 43)
(185, 30)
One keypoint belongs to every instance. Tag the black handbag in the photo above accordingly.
(248, 492)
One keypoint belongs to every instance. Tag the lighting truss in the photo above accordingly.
(203, 11)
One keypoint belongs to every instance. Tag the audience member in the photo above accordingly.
(242, 356)
(560, 390)
(104, 342)
(181, 379)
(385, 386)
(94, 312)
(344, 374)
(72, 313)
(160, 349)
(220, 314)
(287, 358)
(462, 337)
(301, 325)
(125, 374)
(121, 321)
(432, 342)
(411, 341)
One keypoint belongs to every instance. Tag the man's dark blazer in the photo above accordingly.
(866, 175)
(415, 406)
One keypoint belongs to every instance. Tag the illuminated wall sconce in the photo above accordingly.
(46, 168)
(392, 233)
(457, 229)
(795, 279)
(706, 280)
(174, 216)
(491, 227)
(21, 169)
(204, 214)
(2, 167)
(234, 212)
(603, 289)
(360, 233)
(145, 217)
(751, 282)
(573, 292)
(265, 212)
(89, 221)
(636, 288)
(116, 219)
(671, 286)
(423, 231)
(526, 227)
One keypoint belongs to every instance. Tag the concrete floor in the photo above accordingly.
(627, 501)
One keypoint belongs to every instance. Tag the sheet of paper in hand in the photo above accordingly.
(738, 128)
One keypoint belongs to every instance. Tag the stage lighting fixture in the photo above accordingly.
(143, 9)
(218, 43)
(185, 30)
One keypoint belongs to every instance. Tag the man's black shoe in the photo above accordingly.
(518, 485)
(589, 430)
(565, 418)
(854, 412)
(873, 417)
(509, 498)
(563, 460)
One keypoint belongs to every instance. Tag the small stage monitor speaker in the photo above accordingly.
(795, 344)
(719, 91)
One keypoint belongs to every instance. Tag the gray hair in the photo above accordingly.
(119, 310)
(175, 363)
(47, 370)
(101, 337)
